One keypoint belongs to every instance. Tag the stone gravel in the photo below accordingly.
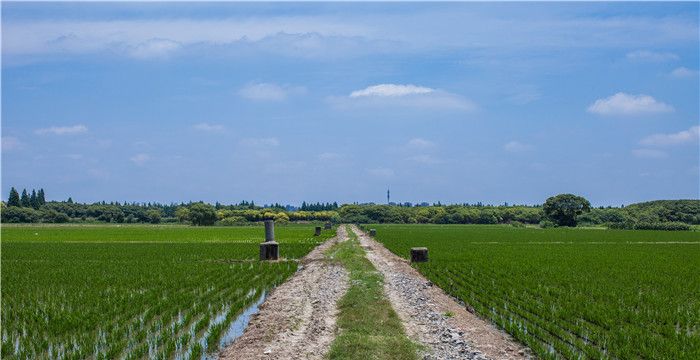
(424, 308)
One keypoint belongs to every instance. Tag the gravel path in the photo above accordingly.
(422, 308)
(298, 319)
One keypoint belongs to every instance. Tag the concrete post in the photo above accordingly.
(269, 230)
(419, 254)
(269, 250)
(372, 232)
(318, 231)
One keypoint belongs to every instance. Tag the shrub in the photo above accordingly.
(14, 214)
(546, 223)
(232, 221)
(517, 224)
(667, 226)
(53, 216)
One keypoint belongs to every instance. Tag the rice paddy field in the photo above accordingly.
(569, 293)
(104, 292)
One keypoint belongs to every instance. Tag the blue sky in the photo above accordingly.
(284, 102)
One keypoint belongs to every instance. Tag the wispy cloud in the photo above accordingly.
(140, 159)
(10, 143)
(381, 172)
(684, 72)
(271, 141)
(153, 48)
(692, 135)
(391, 90)
(208, 127)
(425, 159)
(62, 130)
(328, 156)
(649, 153)
(403, 96)
(419, 143)
(269, 91)
(651, 56)
(517, 147)
(626, 104)
(155, 38)
(74, 156)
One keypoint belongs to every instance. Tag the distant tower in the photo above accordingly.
(388, 196)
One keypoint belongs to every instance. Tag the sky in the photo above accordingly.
(286, 102)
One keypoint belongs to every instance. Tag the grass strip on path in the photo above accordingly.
(369, 326)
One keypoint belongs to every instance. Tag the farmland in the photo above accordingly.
(569, 293)
(134, 291)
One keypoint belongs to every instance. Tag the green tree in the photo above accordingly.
(564, 208)
(183, 214)
(202, 214)
(33, 200)
(41, 197)
(13, 200)
(153, 216)
(24, 200)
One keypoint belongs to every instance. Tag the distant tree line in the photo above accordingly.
(560, 210)
(318, 206)
(34, 201)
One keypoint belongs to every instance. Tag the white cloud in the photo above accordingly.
(684, 72)
(425, 159)
(626, 104)
(208, 127)
(269, 91)
(328, 156)
(649, 153)
(651, 56)
(419, 143)
(153, 48)
(149, 38)
(62, 130)
(260, 142)
(516, 146)
(10, 143)
(391, 90)
(140, 159)
(381, 172)
(403, 96)
(682, 137)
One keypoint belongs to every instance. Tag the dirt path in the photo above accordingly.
(297, 320)
(422, 308)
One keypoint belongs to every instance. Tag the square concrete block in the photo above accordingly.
(269, 250)
(419, 254)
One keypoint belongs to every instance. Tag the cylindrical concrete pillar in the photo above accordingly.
(269, 230)
(318, 231)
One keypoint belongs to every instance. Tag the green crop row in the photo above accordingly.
(134, 292)
(570, 293)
